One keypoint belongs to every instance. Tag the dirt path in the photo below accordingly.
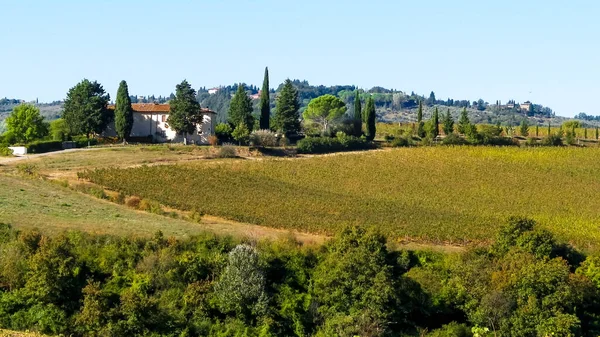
(8, 160)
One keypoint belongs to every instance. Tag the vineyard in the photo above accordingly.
(437, 194)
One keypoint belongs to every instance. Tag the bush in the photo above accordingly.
(84, 141)
(44, 146)
(327, 145)
(133, 202)
(552, 140)
(150, 206)
(59, 130)
(453, 139)
(90, 189)
(401, 142)
(213, 140)
(263, 138)
(531, 142)
(223, 132)
(5, 152)
(227, 151)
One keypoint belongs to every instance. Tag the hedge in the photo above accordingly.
(43, 146)
(328, 145)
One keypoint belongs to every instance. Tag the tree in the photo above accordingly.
(448, 123)
(524, 128)
(325, 110)
(287, 116)
(265, 103)
(85, 108)
(463, 122)
(537, 130)
(357, 122)
(420, 124)
(59, 130)
(584, 133)
(431, 100)
(371, 118)
(597, 134)
(241, 133)
(26, 124)
(435, 123)
(123, 112)
(185, 113)
(240, 109)
(549, 129)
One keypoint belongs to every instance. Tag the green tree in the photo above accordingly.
(463, 122)
(597, 133)
(537, 130)
(584, 133)
(85, 108)
(448, 123)
(185, 112)
(549, 129)
(357, 122)
(26, 123)
(59, 130)
(240, 109)
(241, 133)
(420, 123)
(435, 123)
(265, 103)
(524, 128)
(371, 118)
(325, 110)
(123, 112)
(287, 115)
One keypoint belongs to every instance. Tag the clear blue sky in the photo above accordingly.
(547, 51)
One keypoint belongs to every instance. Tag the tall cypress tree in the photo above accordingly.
(185, 110)
(597, 134)
(463, 122)
(240, 109)
(265, 103)
(357, 115)
(123, 112)
(370, 117)
(420, 124)
(448, 123)
(585, 133)
(549, 130)
(287, 111)
(436, 123)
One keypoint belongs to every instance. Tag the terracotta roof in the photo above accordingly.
(155, 108)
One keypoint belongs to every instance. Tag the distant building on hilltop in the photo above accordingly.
(150, 120)
(526, 106)
(213, 91)
(255, 96)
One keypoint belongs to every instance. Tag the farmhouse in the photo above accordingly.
(150, 121)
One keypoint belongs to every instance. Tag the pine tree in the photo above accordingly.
(123, 112)
(420, 124)
(448, 123)
(357, 115)
(370, 116)
(265, 103)
(435, 123)
(240, 109)
(185, 110)
(287, 115)
(463, 122)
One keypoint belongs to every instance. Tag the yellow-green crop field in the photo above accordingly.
(433, 194)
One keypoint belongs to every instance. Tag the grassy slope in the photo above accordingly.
(431, 194)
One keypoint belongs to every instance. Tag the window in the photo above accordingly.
(163, 118)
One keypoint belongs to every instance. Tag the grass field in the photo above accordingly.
(438, 194)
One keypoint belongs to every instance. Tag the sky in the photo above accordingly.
(546, 51)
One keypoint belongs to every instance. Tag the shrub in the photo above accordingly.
(531, 142)
(150, 206)
(92, 190)
(223, 132)
(5, 151)
(327, 145)
(133, 202)
(27, 169)
(213, 140)
(241, 134)
(453, 139)
(227, 151)
(263, 138)
(44, 146)
(402, 142)
(552, 140)
(84, 141)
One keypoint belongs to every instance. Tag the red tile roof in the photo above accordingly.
(154, 108)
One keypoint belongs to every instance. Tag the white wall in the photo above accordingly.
(18, 150)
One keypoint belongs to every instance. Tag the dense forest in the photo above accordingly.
(525, 284)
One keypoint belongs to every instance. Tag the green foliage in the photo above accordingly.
(402, 142)
(44, 146)
(240, 109)
(264, 138)
(448, 123)
(327, 145)
(123, 112)
(325, 110)
(464, 122)
(287, 115)
(26, 124)
(435, 124)
(552, 140)
(223, 132)
(370, 118)
(524, 128)
(185, 115)
(420, 123)
(59, 130)
(357, 121)
(241, 134)
(85, 108)
(265, 103)
(453, 139)
(452, 330)
(570, 136)
(572, 124)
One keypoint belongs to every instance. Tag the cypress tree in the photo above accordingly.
(524, 129)
(123, 112)
(265, 103)
(585, 133)
(549, 130)
(597, 134)
(357, 115)
(287, 115)
(537, 130)
(435, 123)
(448, 123)
(370, 117)
(240, 109)
(185, 110)
(463, 122)
(420, 124)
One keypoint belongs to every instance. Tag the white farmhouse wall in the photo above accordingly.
(18, 150)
